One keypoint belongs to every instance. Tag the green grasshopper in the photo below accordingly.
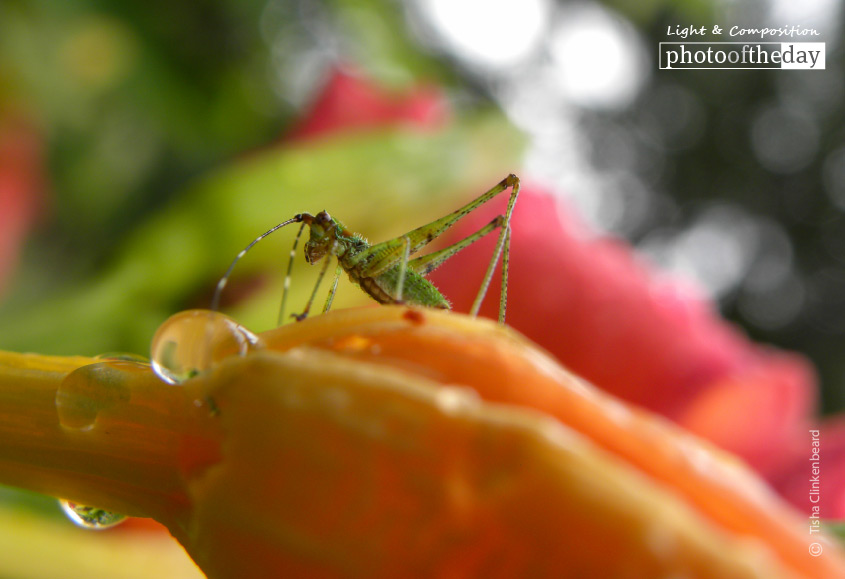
(385, 270)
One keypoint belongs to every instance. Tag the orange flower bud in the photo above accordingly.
(386, 441)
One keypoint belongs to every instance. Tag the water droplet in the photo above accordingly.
(123, 356)
(89, 390)
(194, 341)
(91, 517)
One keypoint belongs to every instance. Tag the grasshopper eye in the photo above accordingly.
(323, 218)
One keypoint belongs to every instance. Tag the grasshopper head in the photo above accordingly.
(323, 229)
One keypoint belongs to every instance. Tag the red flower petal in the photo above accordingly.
(757, 411)
(350, 102)
(21, 187)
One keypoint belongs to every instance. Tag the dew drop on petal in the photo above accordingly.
(91, 389)
(191, 342)
(123, 356)
(90, 517)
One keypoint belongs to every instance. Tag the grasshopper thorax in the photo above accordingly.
(323, 236)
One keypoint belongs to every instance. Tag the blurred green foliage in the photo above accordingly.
(134, 98)
(137, 99)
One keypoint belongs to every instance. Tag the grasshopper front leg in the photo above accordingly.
(333, 289)
(304, 314)
(286, 285)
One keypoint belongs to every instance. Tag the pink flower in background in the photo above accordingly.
(351, 102)
(22, 184)
(654, 341)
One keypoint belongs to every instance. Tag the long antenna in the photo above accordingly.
(215, 301)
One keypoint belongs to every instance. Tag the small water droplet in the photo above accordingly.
(194, 341)
(123, 356)
(89, 390)
(90, 517)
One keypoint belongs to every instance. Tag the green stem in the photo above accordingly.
(143, 439)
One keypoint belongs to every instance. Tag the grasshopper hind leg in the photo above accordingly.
(428, 263)
(502, 250)
(403, 269)
(503, 295)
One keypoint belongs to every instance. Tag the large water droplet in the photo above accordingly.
(89, 390)
(194, 341)
(91, 517)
